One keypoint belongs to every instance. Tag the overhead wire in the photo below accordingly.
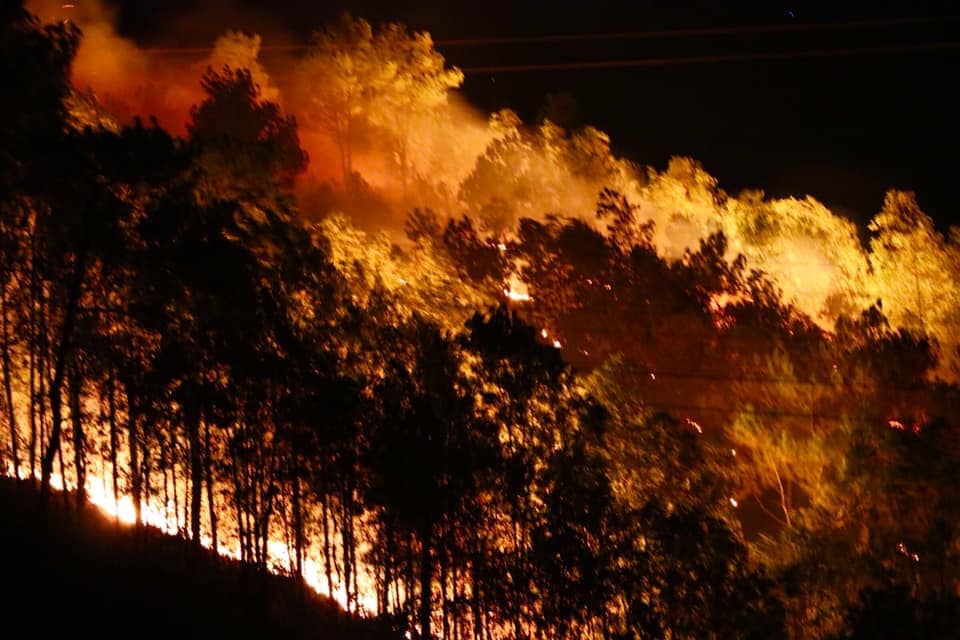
(685, 33)
(624, 35)
(710, 59)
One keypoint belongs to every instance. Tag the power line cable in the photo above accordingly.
(685, 33)
(769, 56)
(624, 35)
(711, 59)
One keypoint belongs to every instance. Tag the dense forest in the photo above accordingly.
(478, 380)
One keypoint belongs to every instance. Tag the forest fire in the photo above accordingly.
(477, 378)
(517, 291)
(168, 519)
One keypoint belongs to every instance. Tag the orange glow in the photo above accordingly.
(498, 170)
(155, 514)
(516, 290)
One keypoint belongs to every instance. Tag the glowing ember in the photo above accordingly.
(517, 296)
(516, 290)
(695, 425)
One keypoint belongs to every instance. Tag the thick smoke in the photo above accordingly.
(125, 80)
(412, 142)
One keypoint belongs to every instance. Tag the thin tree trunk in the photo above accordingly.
(326, 542)
(475, 602)
(146, 472)
(164, 467)
(41, 405)
(63, 478)
(59, 371)
(241, 531)
(354, 588)
(297, 524)
(387, 552)
(184, 515)
(192, 418)
(8, 386)
(211, 503)
(426, 581)
(33, 402)
(33, 348)
(133, 449)
(396, 581)
(173, 476)
(79, 454)
(444, 600)
(42, 377)
(345, 537)
(265, 535)
(409, 587)
(114, 444)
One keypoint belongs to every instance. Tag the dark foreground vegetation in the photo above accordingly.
(110, 580)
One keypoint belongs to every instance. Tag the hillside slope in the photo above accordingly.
(88, 577)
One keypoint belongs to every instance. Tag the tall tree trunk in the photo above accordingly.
(383, 578)
(114, 443)
(41, 404)
(475, 600)
(33, 404)
(325, 512)
(173, 479)
(164, 467)
(63, 478)
(8, 386)
(238, 505)
(133, 437)
(426, 580)
(409, 586)
(346, 539)
(211, 503)
(59, 371)
(297, 523)
(192, 418)
(146, 471)
(33, 344)
(444, 575)
(352, 587)
(395, 564)
(265, 535)
(79, 454)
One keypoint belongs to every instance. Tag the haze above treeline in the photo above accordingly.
(844, 129)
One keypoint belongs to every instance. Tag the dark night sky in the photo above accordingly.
(843, 129)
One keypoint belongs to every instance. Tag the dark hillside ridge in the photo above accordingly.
(85, 576)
